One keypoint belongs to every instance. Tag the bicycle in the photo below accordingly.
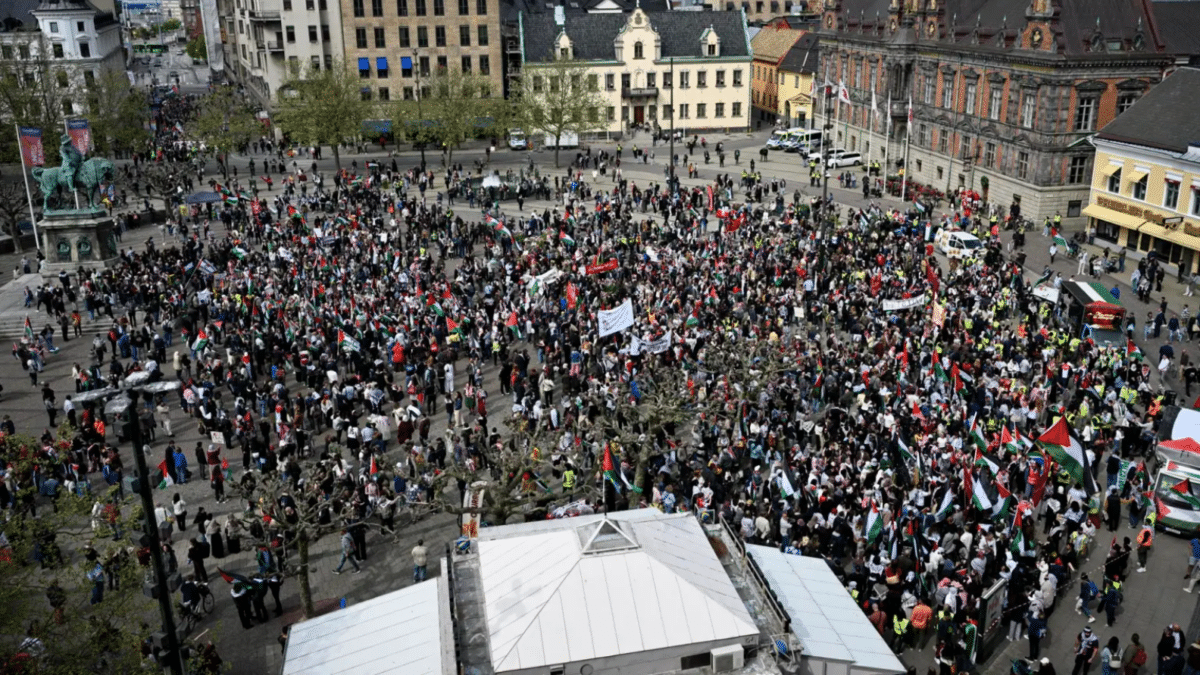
(192, 615)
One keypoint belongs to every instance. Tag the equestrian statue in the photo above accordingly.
(75, 173)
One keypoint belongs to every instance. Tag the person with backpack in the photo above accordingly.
(1145, 539)
(1134, 656)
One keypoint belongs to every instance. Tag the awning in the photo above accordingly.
(364, 63)
(1109, 170)
(1109, 216)
(1136, 175)
(381, 63)
(406, 62)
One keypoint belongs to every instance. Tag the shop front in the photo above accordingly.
(1132, 225)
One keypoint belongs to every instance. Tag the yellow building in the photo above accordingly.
(770, 47)
(1146, 183)
(795, 76)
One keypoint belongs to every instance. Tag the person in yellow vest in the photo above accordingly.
(568, 482)
(900, 627)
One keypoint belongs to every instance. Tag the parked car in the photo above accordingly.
(845, 159)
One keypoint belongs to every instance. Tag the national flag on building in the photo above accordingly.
(81, 135)
(32, 152)
(1068, 452)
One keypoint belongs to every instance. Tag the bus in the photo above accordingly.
(149, 49)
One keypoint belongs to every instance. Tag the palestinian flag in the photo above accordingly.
(609, 468)
(512, 324)
(231, 199)
(916, 412)
(498, 226)
(1184, 490)
(565, 238)
(451, 325)
(166, 481)
(692, 320)
(1067, 451)
(874, 526)
(1018, 544)
(987, 462)
(239, 252)
(905, 452)
(975, 435)
(1132, 351)
(984, 495)
(28, 329)
(1008, 442)
(1127, 468)
(347, 343)
(1001, 509)
(435, 306)
(939, 372)
(946, 506)
(201, 341)
(572, 295)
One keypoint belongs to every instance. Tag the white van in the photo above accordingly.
(957, 244)
(778, 138)
(516, 140)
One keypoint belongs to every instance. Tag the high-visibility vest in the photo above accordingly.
(568, 479)
(899, 625)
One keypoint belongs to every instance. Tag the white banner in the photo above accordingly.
(615, 320)
(473, 500)
(1047, 293)
(210, 22)
(905, 303)
(658, 346)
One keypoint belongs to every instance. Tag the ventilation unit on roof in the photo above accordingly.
(727, 659)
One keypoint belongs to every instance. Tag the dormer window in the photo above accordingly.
(710, 42)
(712, 50)
(563, 47)
(638, 51)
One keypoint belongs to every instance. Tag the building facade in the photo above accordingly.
(1004, 96)
(265, 41)
(795, 77)
(62, 46)
(770, 45)
(654, 68)
(1145, 190)
(388, 44)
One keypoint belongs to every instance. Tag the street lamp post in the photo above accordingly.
(420, 117)
(135, 384)
(671, 178)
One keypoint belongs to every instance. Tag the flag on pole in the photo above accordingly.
(874, 524)
(609, 468)
(946, 507)
(843, 93)
(201, 340)
(984, 495)
(1067, 451)
(511, 324)
(374, 466)
(910, 113)
(32, 152)
(81, 135)
(28, 329)
(166, 481)
(1132, 351)
(874, 105)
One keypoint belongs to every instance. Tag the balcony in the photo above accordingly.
(639, 92)
(264, 15)
(274, 46)
(899, 110)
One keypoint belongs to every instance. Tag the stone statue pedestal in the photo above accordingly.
(81, 238)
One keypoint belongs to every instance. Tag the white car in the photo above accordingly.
(957, 244)
(516, 140)
(816, 155)
(845, 159)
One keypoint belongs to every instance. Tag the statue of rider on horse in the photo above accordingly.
(75, 173)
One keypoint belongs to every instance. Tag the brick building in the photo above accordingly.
(1005, 93)
(388, 41)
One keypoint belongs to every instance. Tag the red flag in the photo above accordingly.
(447, 295)
(572, 295)
(916, 411)
(224, 463)
(374, 466)
(512, 320)
(876, 284)
(866, 378)
(31, 147)
(904, 355)
(932, 277)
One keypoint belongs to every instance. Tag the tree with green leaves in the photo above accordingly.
(456, 106)
(558, 96)
(322, 107)
(13, 209)
(197, 48)
(117, 113)
(224, 123)
(31, 95)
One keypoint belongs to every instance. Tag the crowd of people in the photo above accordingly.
(363, 335)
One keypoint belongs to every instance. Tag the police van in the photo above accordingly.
(958, 244)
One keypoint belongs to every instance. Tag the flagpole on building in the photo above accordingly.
(67, 131)
(907, 140)
(887, 139)
(28, 195)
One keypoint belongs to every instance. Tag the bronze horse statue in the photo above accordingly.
(75, 173)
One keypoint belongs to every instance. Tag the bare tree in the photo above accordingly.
(13, 208)
(558, 96)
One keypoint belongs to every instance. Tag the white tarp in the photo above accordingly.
(903, 303)
(1046, 292)
(615, 320)
(658, 346)
(210, 21)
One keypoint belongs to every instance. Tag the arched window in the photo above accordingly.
(637, 50)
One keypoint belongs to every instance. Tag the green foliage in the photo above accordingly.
(197, 48)
(172, 24)
(117, 113)
(558, 96)
(29, 97)
(322, 107)
(224, 122)
(456, 106)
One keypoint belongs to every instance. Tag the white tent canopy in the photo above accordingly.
(591, 590)
(828, 623)
(405, 632)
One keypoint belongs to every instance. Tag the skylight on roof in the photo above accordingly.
(604, 536)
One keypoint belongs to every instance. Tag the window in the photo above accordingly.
(62, 79)
(683, 82)
(442, 63)
(23, 51)
(1078, 171)
(85, 50)
(701, 110)
(406, 71)
(439, 7)
(481, 7)
(989, 154)
(366, 93)
(996, 95)
(1022, 165)
(712, 50)
(420, 7)
(1171, 194)
(89, 79)
(464, 7)
(922, 134)
(482, 36)
(1195, 201)
(919, 166)
(402, 7)
(409, 94)
(485, 65)
(79, 26)
(941, 171)
(737, 109)
(930, 85)
(6, 51)
(666, 81)
(1138, 190)
(683, 111)
(423, 66)
(53, 26)
(538, 82)
(315, 62)
(612, 113)
(464, 36)
(702, 79)
(380, 40)
(376, 7)
(439, 36)
(358, 8)
(384, 94)
(720, 78)
(943, 140)
(1125, 102)
(322, 5)
(947, 90)
(720, 110)
(1085, 113)
(625, 81)
(737, 78)
(593, 82)
(1027, 109)
(360, 38)
(651, 80)
(610, 82)
(364, 73)
(287, 5)
(291, 34)
(404, 38)
(1114, 182)
(329, 62)
(638, 51)
(969, 104)
(312, 34)
(422, 37)
(666, 112)
(625, 112)
(466, 64)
